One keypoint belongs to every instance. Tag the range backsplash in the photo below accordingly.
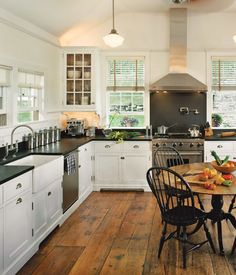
(165, 110)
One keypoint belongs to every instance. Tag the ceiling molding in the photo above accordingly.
(24, 26)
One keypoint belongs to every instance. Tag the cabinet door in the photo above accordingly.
(85, 169)
(80, 78)
(107, 169)
(39, 213)
(134, 168)
(17, 227)
(1, 240)
(54, 201)
(222, 148)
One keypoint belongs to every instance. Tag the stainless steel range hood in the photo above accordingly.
(178, 79)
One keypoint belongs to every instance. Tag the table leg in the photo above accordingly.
(217, 215)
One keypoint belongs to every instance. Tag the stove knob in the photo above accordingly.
(181, 144)
(157, 145)
(174, 144)
(191, 144)
(164, 144)
(199, 144)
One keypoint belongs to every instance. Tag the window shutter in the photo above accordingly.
(30, 79)
(224, 74)
(5, 75)
(125, 74)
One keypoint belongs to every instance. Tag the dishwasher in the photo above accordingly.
(70, 183)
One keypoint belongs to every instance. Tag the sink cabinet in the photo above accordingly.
(122, 165)
(85, 171)
(47, 208)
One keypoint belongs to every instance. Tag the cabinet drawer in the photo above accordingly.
(136, 146)
(17, 185)
(107, 147)
(219, 146)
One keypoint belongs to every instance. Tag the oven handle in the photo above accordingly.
(191, 153)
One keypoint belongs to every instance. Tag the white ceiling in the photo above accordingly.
(59, 16)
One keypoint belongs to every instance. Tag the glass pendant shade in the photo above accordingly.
(234, 38)
(113, 39)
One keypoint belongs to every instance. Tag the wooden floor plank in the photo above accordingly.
(119, 233)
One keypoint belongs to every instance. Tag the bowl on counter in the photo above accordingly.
(224, 169)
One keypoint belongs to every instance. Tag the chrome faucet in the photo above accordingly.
(12, 134)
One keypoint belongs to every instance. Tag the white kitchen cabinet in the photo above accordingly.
(122, 165)
(222, 148)
(47, 208)
(85, 157)
(81, 78)
(17, 227)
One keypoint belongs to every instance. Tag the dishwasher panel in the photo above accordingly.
(70, 181)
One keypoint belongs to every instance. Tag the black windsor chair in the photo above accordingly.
(167, 156)
(232, 206)
(176, 203)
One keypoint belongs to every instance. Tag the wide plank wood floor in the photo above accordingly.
(118, 233)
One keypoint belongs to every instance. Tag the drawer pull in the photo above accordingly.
(19, 201)
(19, 185)
(107, 146)
(79, 166)
(219, 146)
(122, 158)
(136, 146)
(234, 157)
(49, 193)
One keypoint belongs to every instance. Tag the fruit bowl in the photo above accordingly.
(224, 169)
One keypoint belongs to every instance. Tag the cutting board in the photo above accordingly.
(195, 180)
(228, 134)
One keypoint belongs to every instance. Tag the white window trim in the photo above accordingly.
(209, 56)
(107, 54)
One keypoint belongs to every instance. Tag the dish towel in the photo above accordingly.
(70, 164)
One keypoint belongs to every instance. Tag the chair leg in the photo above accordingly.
(184, 241)
(232, 204)
(208, 235)
(234, 246)
(200, 202)
(162, 240)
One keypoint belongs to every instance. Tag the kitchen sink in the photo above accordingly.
(35, 160)
(47, 168)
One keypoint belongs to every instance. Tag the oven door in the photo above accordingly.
(191, 156)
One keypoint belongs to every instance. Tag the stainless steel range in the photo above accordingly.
(191, 149)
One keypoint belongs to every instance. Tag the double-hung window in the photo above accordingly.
(5, 82)
(30, 95)
(223, 86)
(125, 92)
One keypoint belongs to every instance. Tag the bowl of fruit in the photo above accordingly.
(225, 166)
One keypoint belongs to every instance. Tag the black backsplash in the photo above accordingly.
(164, 110)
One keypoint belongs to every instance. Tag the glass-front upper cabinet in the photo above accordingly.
(80, 79)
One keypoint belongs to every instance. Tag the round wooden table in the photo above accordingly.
(216, 214)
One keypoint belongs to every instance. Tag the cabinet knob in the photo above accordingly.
(219, 146)
(19, 201)
(107, 146)
(79, 166)
(49, 193)
(19, 185)
(136, 146)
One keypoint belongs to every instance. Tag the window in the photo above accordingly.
(223, 92)
(125, 92)
(29, 99)
(4, 86)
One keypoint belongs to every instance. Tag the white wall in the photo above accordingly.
(20, 49)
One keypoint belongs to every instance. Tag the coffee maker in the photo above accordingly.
(75, 127)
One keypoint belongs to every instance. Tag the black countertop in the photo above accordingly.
(63, 147)
(218, 137)
(9, 172)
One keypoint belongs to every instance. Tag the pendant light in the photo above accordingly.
(113, 39)
(234, 38)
